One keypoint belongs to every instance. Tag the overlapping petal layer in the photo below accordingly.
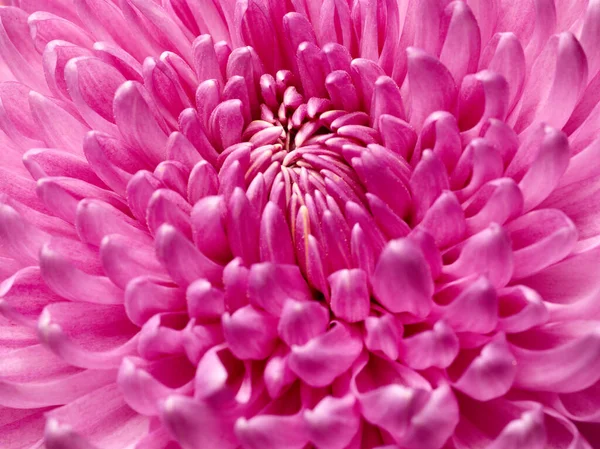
(315, 224)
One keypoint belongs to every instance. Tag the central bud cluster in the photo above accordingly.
(315, 161)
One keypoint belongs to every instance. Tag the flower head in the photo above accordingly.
(290, 225)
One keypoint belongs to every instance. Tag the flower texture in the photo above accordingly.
(305, 224)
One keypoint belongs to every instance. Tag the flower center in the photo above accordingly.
(317, 163)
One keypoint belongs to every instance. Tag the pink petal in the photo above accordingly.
(322, 359)
(302, 321)
(491, 374)
(436, 347)
(489, 252)
(138, 121)
(204, 301)
(475, 309)
(270, 285)
(208, 228)
(333, 422)
(535, 246)
(93, 97)
(462, 45)
(182, 260)
(424, 71)
(383, 334)
(350, 299)
(146, 296)
(264, 431)
(250, 333)
(402, 267)
(195, 424)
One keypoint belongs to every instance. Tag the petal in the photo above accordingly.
(475, 309)
(436, 347)
(302, 321)
(425, 71)
(74, 332)
(402, 267)
(264, 431)
(182, 260)
(146, 296)
(383, 334)
(490, 374)
(462, 45)
(73, 284)
(537, 246)
(204, 301)
(322, 359)
(350, 299)
(488, 252)
(566, 368)
(195, 424)
(138, 121)
(92, 84)
(250, 333)
(549, 165)
(333, 422)
(270, 285)
(208, 228)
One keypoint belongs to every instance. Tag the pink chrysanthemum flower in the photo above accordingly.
(312, 224)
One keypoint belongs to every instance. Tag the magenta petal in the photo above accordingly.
(196, 424)
(73, 284)
(527, 431)
(566, 368)
(350, 299)
(436, 347)
(333, 422)
(540, 238)
(226, 123)
(270, 285)
(208, 228)
(435, 422)
(183, 261)
(250, 333)
(264, 431)
(383, 334)
(491, 374)
(423, 71)
(301, 321)
(204, 301)
(92, 98)
(391, 408)
(403, 268)
(275, 239)
(147, 296)
(242, 224)
(544, 173)
(489, 252)
(475, 309)
(322, 359)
